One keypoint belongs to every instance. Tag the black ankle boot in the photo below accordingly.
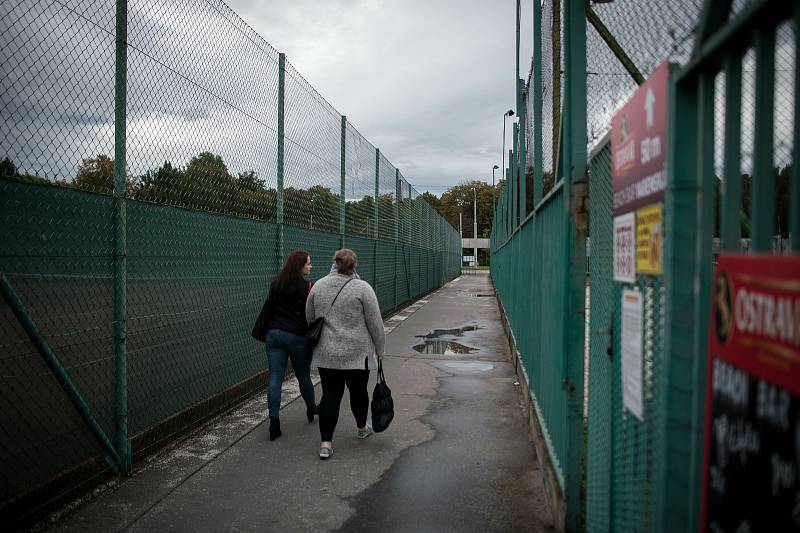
(311, 410)
(274, 427)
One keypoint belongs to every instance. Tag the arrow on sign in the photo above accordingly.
(649, 100)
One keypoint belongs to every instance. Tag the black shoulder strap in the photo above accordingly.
(337, 295)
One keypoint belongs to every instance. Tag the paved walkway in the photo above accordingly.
(456, 457)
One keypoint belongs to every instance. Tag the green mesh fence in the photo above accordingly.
(602, 383)
(644, 475)
(226, 172)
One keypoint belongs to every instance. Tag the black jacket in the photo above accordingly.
(287, 308)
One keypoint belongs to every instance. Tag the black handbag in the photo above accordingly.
(382, 405)
(260, 327)
(314, 330)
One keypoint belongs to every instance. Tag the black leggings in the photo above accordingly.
(333, 382)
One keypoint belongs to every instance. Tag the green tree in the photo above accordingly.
(207, 184)
(432, 199)
(459, 199)
(7, 168)
(359, 216)
(250, 181)
(161, 186)
(96, 174)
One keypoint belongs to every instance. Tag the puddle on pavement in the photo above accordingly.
(455, 332)
(443, 348)
(435, 344)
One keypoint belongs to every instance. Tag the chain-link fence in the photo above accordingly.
(642, 473)
(231, 160)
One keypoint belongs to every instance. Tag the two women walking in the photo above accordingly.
(352, 339)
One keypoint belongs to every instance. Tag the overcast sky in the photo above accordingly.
(426, 82)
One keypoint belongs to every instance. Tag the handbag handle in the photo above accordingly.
(381, 377)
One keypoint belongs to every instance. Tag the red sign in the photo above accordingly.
(752, 432)
(638, 145)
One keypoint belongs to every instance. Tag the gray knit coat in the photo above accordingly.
(353, 331)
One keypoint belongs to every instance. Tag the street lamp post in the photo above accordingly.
(475, 224)
(461, 237)
(509, 113)
(495, 167)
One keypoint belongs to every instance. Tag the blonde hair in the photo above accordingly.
(345, 260)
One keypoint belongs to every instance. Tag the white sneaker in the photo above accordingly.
(366, 432)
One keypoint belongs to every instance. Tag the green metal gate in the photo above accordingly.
(646, 475)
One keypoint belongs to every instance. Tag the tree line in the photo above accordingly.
(460, 198)
(458, 201)
(206, 183)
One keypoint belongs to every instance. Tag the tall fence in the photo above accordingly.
(159, 161)
(732, 186)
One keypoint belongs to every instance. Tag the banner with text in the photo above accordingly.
(752, 435)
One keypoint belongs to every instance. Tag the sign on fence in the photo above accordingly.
(624, 249)
(752, 435)
(638, 146)
(649, 240)
(632, 352)
(639, 177)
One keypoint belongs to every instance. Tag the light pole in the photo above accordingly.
(509, 113)
(461, 237)
(475, 224)
(495, 167)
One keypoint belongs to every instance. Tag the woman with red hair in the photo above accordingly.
(286, 329)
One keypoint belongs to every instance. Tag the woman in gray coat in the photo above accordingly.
(351, 339)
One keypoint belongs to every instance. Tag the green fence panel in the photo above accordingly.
(202, 171)
(601, 335)
(56, 252)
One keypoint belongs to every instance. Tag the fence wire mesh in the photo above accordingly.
(203, 232)
(645, 34)
(636, 471)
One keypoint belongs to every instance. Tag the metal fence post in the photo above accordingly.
(536, 91)
(280, 163)
(522, 167)
(120, 236)
(794, 189)
(574, 175)
(410, 217)
(397, 193)
(762, 208)
(732, 185)
(680, 213)
(375, 217)
(510, 195)
(342, 202)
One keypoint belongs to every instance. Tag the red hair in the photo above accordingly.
(292, 270)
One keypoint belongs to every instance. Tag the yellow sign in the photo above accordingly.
(649, 240)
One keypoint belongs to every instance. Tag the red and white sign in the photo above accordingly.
(756, 316)
(625, 248)
(638, 145)
(752, 434)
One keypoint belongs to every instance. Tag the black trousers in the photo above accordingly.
(333, 383)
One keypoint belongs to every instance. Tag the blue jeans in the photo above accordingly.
(281, 347)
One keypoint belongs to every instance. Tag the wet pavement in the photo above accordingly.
(456, 457)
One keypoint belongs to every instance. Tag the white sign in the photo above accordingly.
(469, 258)
(625, 248)
(631, 345)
